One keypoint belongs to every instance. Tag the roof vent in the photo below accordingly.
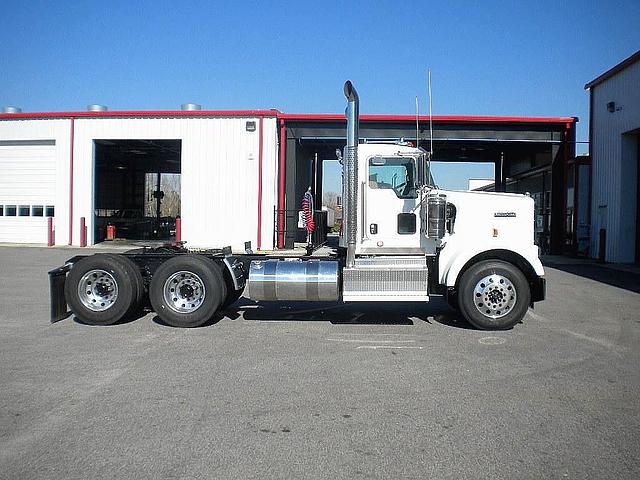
(96, 108)
(10, 109)
(191, 107)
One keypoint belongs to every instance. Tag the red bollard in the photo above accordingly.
(111, 232)
(50, 237)
(83, 232)
(178, 229)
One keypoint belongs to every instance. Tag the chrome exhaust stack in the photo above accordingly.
(350, 177)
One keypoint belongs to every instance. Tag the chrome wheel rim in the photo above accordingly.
(98, 290)
(184, 292)
(494, 296)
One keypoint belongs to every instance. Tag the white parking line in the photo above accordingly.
(378, 334)
(377, 347)
(357, 340)
(581, 336)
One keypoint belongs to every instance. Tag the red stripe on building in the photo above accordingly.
(71, 181)
(260, 142)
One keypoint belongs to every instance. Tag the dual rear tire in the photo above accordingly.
(104, 289)
(187, 290)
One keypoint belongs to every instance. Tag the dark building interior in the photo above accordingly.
(137, 189)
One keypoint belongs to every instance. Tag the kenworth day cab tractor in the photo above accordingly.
(403, 239)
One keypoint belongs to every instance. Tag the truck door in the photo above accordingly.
(391, 219)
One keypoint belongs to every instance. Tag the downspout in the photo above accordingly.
(281, 184)
(260, 141)
(350, 176)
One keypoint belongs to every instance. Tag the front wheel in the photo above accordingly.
(493, 295)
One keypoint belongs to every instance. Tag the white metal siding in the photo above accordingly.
(36, 173)
(219, 181)
(613, 205)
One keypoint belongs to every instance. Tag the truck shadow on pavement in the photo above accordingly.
(399, 313)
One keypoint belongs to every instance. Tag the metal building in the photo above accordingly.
(528, 154)
(614, 136)
(237, 175)
(75, 166)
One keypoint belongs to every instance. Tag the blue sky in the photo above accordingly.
(490, 57)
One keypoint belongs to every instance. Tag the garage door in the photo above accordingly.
(27, 190)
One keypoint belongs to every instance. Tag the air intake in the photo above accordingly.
(9, 109)
(190, 107)
(96, 108)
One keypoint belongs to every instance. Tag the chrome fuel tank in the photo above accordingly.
(314, 280)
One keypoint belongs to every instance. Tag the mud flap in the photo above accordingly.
(57, 278)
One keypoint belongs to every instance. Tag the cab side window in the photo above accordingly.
(393, 173)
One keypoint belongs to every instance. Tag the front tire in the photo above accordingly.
(187, 290)
(493, 295)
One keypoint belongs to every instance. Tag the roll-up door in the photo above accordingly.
(27, 190)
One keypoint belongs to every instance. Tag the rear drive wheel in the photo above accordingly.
(187, 290)
(494, 295)
(100, 290)
(137, 281)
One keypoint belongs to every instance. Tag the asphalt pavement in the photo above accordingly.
(297, 390)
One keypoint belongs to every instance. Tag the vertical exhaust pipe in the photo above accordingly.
(350, 176)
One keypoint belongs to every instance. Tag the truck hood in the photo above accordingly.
(478, 214)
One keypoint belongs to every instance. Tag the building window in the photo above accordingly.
(24, 210)
(49, 211)
(9, 210)
(37, 211)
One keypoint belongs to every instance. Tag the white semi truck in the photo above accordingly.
(403, 239)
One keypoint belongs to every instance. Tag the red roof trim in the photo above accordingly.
(315, 117)
(141, 114)
(424, 118)
(614, 70)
